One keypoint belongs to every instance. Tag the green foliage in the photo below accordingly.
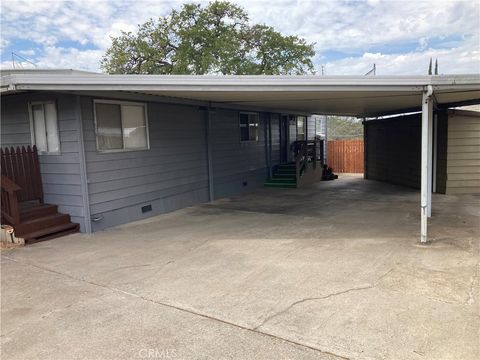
(340, 127)
(215, 39)
(436, 66)
(430, 67)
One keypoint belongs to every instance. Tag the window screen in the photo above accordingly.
(45, 127)
(121, 126)
(134, 127)
(109, 126)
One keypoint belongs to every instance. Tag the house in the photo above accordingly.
(118, 148)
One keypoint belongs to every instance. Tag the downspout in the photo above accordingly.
(83, 166)
(270, 145)
(365, 148)
(208, 138)
(265, 141)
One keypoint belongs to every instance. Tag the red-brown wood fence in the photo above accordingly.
(345, 156)
(21, 165)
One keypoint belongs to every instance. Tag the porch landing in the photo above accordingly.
(329, 271)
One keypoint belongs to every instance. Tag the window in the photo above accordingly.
(248, 127)
(301, 122)
(44, 126)
(121, 126)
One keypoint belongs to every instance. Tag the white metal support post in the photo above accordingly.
(430, 158)
(426, 164)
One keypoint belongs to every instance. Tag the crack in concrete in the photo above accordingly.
(267, 319)
(117, 290)
(301, 301)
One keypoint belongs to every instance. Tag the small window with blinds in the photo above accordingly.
(44, 127)
(120, 126)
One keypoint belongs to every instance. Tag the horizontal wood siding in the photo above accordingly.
(463, 153)
(60, 173)
(170, 175)
(15, 123)
(393, 150)
(237, 166)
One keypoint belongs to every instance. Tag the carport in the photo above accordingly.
(362, 97)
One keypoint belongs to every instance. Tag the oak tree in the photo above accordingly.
(214, 39)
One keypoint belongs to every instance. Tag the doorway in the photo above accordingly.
(284, 138)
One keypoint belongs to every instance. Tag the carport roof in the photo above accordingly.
(342, 95)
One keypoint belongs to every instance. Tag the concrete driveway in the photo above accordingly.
(332, 271)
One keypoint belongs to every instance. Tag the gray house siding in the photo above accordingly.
(237, 166)
(171, 175)
(112, 187)
(15, 122)
(60, 172)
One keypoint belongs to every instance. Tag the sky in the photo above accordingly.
(399, 37)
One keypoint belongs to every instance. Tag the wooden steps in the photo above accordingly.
(284, 176)
(42, 222)
(32, 212)
(22, 198)
(52, 232)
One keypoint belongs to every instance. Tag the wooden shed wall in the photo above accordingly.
(463, 152)
(393, 150)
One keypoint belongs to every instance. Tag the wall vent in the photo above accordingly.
(146, 208)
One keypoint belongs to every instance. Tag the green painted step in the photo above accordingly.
(283, 180)
(280, 185)
(285, 171)
(284, 176)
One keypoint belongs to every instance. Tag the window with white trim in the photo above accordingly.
(121, 126)
(44, 126)
(249, 126)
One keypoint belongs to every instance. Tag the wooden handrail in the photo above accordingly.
(9, 185)
(22, 166)
(10, 210)
(301, 158)
(305, 153)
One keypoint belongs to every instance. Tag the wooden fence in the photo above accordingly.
(21, 166)
(345, 156)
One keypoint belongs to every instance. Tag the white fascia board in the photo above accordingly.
(214, 88)
(78, 78)
(206, 83)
